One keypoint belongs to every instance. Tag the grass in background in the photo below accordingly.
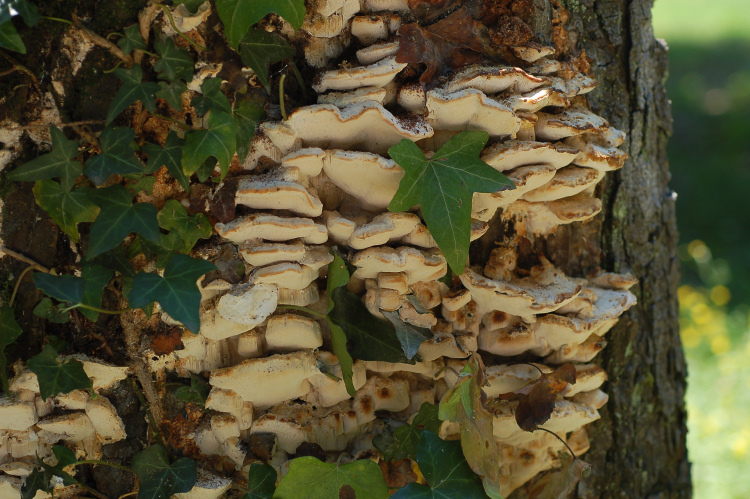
(709, 86)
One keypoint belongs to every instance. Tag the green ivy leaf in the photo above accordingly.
(404, 442)
(118, 218)
(260, 48)
(212, 98)
(51, 312)
(187, 229)
(133, 89)
(196, 393)
(239, 15)
(218, 141)
(443, 186)
(247, 114)
(57, 163)
(9, 332)
(160, 479)
(174, 62)
(28, 11)
(36, 481)
(95, 278)
(55, 377)
(368, 338)
(464, 404)
(445, 469)
(176, 292)
(145, 183)
(172, 93)
(67, 208)
(132, 40)
(65, 288)
(205, 171)
(410, 336)
(261, 482)
(338, 277)
(310, 478)
(170, 156)
(117, 158)
(9, 38)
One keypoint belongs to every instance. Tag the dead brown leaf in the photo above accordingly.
(168, 342)
(537, 399)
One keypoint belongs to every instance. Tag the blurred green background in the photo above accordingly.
(709, 85)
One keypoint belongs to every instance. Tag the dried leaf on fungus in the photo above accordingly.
(537, 399)
(465, 405)
(560, 483)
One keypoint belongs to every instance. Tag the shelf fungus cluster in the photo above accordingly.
(322, 177)
(31, 425)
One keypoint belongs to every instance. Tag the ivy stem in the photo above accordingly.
(149, 53)
(176, 122)
(315, 314)
(18, 283)
(57, 19)
(174, 27)
(103, 463)
(110, 70)
(21, 257)
(300, 80)
(97, 309)
(281, 96)
(560, 439)
(128, 494)
(151, 419)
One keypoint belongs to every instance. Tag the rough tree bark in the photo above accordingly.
(638, 447)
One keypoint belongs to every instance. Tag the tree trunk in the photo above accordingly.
(638, 447)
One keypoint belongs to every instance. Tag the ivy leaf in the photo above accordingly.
(117, 158)
(239, 15)
(94, 277)
(443, 185)
(247, 114)
(133, 89)
(36, 481)
(118, 218)
(9, 332)
(29, 12)
(57, 163)
(464, 404)
(170, 156)
(174, 62)
(403, 443)
(218, 141)
(188, 229)
(53, 313)
(338, 277)
(368, 338)
(212, 98)
(172, 93)
(196, 393)
(159, 479)
(410, 336)
(55, 377)
(310, 478)
(145, 184)
(65, 288)
(67, 208)
(176, 292)
(9, 38)
(132, 39)
(260, 48)
(261, 482)
(443, 465)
